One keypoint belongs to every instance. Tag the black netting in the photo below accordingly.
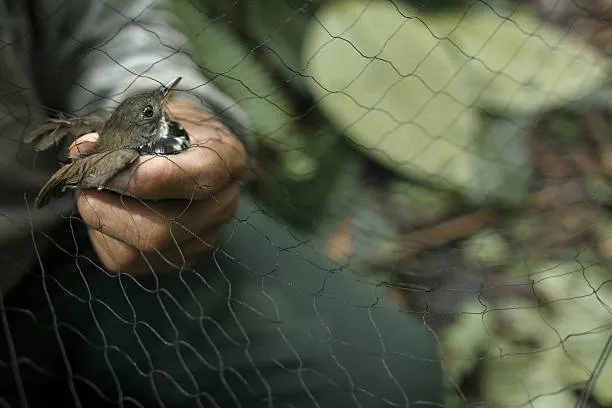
(383, 203)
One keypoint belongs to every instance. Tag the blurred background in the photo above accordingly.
(457, 151)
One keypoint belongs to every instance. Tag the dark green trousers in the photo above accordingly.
(264, 321)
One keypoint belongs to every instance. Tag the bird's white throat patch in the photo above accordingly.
(163, 129)
(167, 140)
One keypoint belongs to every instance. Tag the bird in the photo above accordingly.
(139, 125)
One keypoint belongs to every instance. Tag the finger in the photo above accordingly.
(83, 145)
(154, 226)
(116, 256)
(193, 174)
(215, 159)
(187, 109)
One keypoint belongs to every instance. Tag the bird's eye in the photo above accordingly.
(147, 112)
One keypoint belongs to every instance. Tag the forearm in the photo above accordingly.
(89, 54)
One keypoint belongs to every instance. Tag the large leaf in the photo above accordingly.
(389, 84)
(520, 63)
(385, 92)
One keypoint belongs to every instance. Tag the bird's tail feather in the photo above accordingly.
(92, 171)
(66, 177)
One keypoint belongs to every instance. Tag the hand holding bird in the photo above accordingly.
(139, 125)
(169, 207)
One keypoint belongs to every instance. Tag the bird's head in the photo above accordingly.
(139, 118)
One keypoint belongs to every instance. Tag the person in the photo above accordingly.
(170, 294)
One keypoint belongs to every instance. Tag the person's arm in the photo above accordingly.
(90, 53)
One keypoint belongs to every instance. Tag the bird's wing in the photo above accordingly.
(89, 172)
(54, 131)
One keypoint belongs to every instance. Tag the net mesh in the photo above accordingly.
(422, 220)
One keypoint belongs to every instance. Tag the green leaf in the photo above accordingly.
(520, 63)
(386, 82)
(385, 78)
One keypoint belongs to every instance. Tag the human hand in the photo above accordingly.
(170, 208)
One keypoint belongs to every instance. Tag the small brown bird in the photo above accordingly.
(139, 125)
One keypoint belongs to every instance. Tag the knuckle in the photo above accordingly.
(208, 240)
(231, 152)
(238, 156)
(230, 211)
(115, 256)
(116, 265)
(232, 205)
(89, 210)
(212, 239)
(156, 237)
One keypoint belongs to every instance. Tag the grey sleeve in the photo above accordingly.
(93, 53)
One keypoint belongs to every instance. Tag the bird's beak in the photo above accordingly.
(167, 89)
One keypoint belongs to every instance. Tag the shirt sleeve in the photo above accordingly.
(93, 53)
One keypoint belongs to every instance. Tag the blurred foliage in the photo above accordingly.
(453, 148)
(530, 351)
(300, 154)
(409, 107)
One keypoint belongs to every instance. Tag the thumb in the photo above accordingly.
(83, 145)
